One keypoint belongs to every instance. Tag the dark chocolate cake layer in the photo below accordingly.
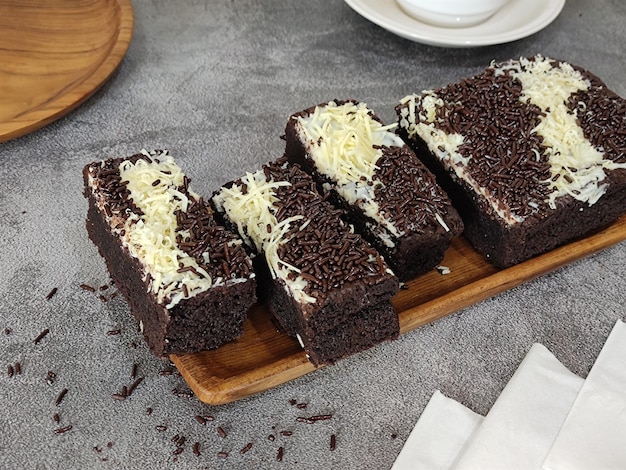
(532, 152)
(390, 197)
(187, 280)
(325, 280)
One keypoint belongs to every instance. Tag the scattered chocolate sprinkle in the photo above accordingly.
(119, 396)
(333, 442)
(394, 435)
(182, 393)
(196, 449)
(41, 336)
(56, 418)
(133, 345)
(301, 419)
(246, 448)
(63, 430)
(166, 372)
(175, 437)
(221, 432)
(321, 417)
(51, 293)
(181, 441)
(271, 438)
(201, 420)
(286, 433)
(279, 454)
(102, 298)
(301, 406)
(104, 287)
(61, 396)
(18, 368)
(87, 287)
(293, 401)
(209, 418)
(10, 371)
(133, 371)
(148, 411)
(161, 428)
(134, 385)
(222, 455)
(97, 449)
(124, 391)
(178, 450)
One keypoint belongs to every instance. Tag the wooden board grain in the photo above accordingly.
(264, 357)
(54, 54)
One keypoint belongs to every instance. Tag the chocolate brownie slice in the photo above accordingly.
(390, 196)
(327, 286)
(187, 280)
(532, 152)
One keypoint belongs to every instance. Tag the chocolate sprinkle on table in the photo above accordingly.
(279, 454)
(51, 293)
(87, 287)
(61, 396)
(63, 430)
(196, 449)
(222, 454)
(221, 432)
(41, 336)
(333, 442)
(10, 371)
(246, 448)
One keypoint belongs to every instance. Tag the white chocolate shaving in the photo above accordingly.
(252, 210)
(344, 143)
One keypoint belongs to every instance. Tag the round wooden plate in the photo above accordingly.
(54, 54)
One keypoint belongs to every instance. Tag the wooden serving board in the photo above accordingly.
(54, 54)
(264, 357)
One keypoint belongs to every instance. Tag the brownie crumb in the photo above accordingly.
(50, 377)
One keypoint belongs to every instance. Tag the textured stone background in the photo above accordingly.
(214, 82)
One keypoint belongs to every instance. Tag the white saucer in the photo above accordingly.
(517, 19)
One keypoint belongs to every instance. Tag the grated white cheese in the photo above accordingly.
(577, 167)
(151, 237)
(252, 210)
(342, 141)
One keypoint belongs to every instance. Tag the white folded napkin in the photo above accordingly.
(440, 433)
(593, 435)
(523, 422)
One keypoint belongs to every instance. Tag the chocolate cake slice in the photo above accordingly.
(532, 152)
(327, 286)
(390, 197)
(188, 281)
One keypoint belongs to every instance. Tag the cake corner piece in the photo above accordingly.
(188, 281)
(532, 152)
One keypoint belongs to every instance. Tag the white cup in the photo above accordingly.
(451, 13)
